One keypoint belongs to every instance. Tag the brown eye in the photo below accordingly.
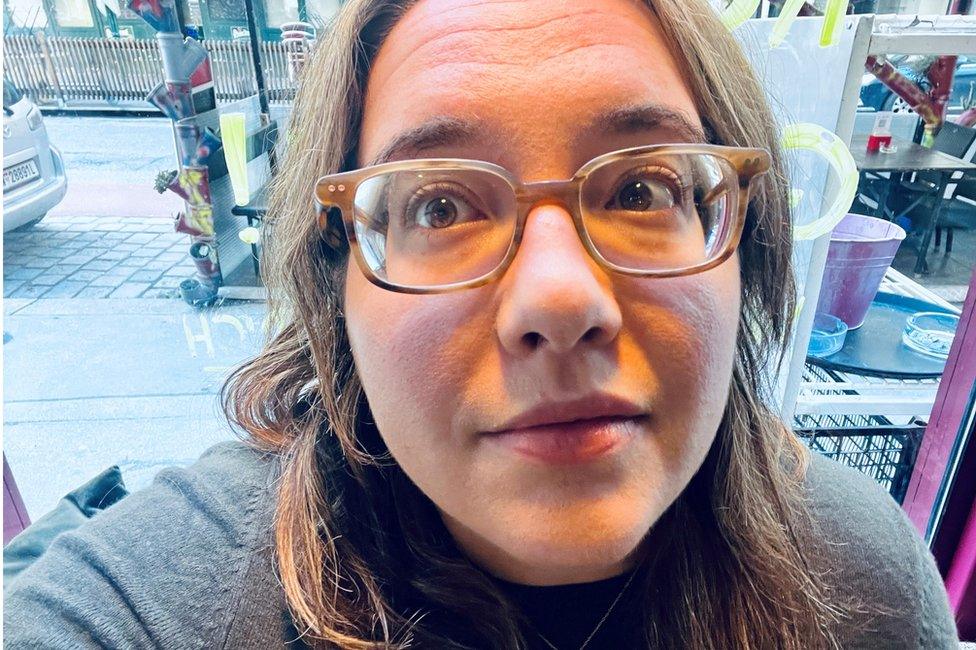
(441, 206)
(440, 212)
(642, 195)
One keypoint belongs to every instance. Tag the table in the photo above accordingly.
(843, 397)
(873, 423)
(910, 157)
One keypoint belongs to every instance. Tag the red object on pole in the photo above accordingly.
(929, 106)
(202, 88)
(904, 87)
(940, 74)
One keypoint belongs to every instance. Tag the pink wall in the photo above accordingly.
(954, 543)
(14, 513)
(961, 580)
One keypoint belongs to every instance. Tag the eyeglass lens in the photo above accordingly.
(659, 211)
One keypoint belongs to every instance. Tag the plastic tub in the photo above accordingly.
(861, 250)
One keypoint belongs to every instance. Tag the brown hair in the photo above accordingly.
(362, 554)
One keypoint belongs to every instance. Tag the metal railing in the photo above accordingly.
(65, 72)
(233, 70)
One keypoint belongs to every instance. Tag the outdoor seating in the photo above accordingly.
(928, 165)
(953, 140)
(959, 213)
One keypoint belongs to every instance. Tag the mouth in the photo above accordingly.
(570, 443)
(572, 432)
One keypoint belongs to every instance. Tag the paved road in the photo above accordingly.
(111, 163)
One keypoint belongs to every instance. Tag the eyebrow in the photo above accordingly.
(445, 131)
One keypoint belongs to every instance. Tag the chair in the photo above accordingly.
(953, 140)
(959, 213)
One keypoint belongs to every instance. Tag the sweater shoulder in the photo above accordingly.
(865, 547)
(169, 566)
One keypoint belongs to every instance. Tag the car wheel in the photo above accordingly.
(896, 104)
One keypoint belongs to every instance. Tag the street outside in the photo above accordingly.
(103, 363)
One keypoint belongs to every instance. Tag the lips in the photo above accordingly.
(571, 432)
(596, 405)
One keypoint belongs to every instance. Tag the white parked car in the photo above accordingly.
(33, 170)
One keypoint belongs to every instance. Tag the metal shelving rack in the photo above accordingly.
(833, 399)
(812, 393)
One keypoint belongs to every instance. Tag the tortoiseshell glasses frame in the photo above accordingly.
(740, 166)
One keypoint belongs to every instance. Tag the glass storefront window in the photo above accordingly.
(228, 10)
(320, 12)
(26, 13)
(278, 13)
(73, 13)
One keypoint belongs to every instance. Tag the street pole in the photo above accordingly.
(252, 30)
(174, 97)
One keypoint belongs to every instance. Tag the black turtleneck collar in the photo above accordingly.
(567, 614)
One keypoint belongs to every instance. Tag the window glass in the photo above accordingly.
(227, 10)
(26, 13)
(320, 12)
(73, 13)
(144, 396)
(281, 12)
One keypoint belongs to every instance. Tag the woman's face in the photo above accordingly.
(533, 82)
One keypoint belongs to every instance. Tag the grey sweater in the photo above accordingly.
(187, 563)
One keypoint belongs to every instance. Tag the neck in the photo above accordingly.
(518, 570)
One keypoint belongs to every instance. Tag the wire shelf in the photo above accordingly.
(884, 452)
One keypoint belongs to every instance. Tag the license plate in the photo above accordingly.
(20, 174)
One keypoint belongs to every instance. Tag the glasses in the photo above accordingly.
(437, 225)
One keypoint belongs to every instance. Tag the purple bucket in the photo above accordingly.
(861, 250)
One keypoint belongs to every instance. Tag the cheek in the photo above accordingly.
(412, 354)
(686, 328)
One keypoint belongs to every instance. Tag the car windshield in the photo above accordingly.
(10, 94)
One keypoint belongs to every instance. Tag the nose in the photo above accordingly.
(554, 295)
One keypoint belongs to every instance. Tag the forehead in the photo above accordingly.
(525, 73)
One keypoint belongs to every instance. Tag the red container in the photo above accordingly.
(875, 142)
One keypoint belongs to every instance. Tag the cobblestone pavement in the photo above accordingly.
(96, 257)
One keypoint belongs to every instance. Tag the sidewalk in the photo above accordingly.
(96, 257)
(92, 382)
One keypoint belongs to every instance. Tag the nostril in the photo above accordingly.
(532, 340)
(592, 334)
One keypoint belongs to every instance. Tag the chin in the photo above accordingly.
(579, 550)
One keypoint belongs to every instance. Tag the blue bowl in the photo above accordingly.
(827, 336)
